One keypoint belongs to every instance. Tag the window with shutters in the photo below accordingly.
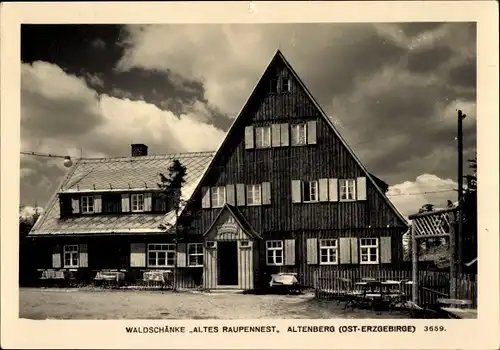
(112, 203)
(70, 255)
(254, 195)
(274, 252)
(286, 85)
(368, 249)
(347, 189)
(161, 255)
(87, 204)
(309, 191)
(328, 251)
(263, 137)
(218, 196)
(137, 202)
(299, 134)
(195, 254)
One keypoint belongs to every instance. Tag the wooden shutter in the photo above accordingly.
(240, 194)
(289, 252)
(354, 251)
(230, 194)
(361, 188)
(249, 138)
(137, 254)
(266, 193)
(284, 135)
(148, 201)
(125, 202)
(97, 203)
(385, 250)
(345, 250)
(75, 205)
(311, 132)
(323, 190)
(333, 190)
(56, 256)
(205, 197)
(275, 135)
(312, 251)
(296, 191)
(84, 256)
(181, 255)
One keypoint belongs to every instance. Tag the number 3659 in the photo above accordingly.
(434, 329)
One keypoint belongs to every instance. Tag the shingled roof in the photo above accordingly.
(118, 174)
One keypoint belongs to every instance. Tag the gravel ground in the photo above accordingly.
(127, 304)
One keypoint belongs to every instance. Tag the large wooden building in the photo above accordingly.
(283, 193)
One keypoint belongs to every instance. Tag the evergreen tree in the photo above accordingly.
(171, 186)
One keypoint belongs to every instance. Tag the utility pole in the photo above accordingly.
(459, 234)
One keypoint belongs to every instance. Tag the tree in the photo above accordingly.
(171, 187)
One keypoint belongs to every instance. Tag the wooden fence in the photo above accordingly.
(432, 284)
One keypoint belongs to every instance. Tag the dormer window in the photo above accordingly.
(87, 204)
(137, 202)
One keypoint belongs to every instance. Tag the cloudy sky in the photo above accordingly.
(393, 89)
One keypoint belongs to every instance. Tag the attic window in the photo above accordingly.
(137, 202)
(274, 84)
(347, 189)
(87, 204)
(285, 85)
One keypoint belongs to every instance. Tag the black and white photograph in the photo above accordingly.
(249, 171)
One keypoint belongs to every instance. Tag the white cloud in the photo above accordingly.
(27, 211)
(409, 196)
(62, 115)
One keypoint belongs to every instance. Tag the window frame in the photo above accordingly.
(329, 249)
(218, 189)
(295, 134)
(137, 195)
(171, 248)
(157, 200)
(72, 254)
(189, 254)
(368, 252)
(288, 85)
(265, 132)
(86, 206)
(274, 249)
(253, 191)
(344, 185)
(316, 197)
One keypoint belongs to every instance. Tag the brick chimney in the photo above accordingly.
(139, 149)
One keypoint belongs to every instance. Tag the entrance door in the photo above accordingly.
(227, 253)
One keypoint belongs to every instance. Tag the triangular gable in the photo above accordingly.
(279, 55)
(238, 217)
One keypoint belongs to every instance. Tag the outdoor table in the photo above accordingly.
(287, 280)
(109, 276)
(375, 293)
(157, 276)
(53, 275)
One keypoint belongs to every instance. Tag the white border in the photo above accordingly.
(464, 334)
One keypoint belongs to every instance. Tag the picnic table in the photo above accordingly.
(458, 308)
(376, 293)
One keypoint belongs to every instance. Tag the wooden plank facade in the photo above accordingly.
(284, 193)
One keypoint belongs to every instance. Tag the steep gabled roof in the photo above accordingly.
(279, 56)
(117, 174)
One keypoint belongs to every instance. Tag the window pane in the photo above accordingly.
(279, 260)
(161, 261)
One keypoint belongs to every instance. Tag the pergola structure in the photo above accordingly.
(433, 224)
